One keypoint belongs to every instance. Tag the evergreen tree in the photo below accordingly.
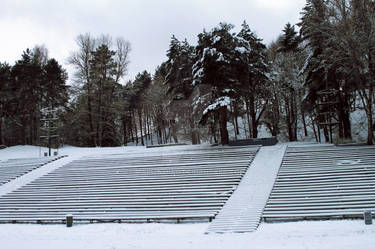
(6, 96)
(103, 71)
(290, 40)
(179, 64)
(252, 73)
(214, 66)
(27, 78)
(179, 82)
(54, 88)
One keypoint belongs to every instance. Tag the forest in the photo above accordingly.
(309, 82)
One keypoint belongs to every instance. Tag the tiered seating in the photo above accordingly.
(188, 185)
(323, 182)
(14, 168)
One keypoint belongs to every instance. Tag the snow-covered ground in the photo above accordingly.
(293, 235)
(350, 234)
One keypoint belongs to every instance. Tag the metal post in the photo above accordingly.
(367, 216)
(69, 220)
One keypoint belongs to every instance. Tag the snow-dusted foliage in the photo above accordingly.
(219, 102)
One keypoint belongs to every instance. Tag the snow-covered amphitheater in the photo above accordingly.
(232, 189)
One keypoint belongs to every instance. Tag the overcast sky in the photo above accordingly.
(146, 24)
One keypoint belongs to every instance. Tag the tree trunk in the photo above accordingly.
(304, 123)
(253, 115)
(244, 125)
(234, 123)
(160, 141)
(235, 117)
(314, 130)
(124, 130)
(140, 126)
(367, 99)
(165, 135)
(135, 128)
(149, 129)
(319, 135)
(370, 132)
(91, 122)
(194, 132)
(1, 131)
(248, 119)
(223, 126)
(295, 118)
(145, 128)
(326, 134)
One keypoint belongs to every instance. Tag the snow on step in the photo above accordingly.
(32, 175)
(323, 182)
(243, 210)
(180, 186)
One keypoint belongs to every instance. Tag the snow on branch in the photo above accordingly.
(219, 102)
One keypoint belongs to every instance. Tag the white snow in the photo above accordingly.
(220, 57)
(208, 51)
(199, 73)
(216, 39)
(35, 174)
(222, 101)
(346, 234)
(241, 50)
(242, 212)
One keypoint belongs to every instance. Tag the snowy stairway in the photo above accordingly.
(243, 211)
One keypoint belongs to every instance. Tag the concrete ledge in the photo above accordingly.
(254, 141)
(164, 145)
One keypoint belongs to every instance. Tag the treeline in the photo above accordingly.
(306, 83)
(310, 81)
(104, 112)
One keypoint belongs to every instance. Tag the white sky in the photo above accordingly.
(146, 24)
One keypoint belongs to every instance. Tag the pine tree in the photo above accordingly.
(290, 40)
(252, 72)
(214, 66)
(6, 96)
(54, 88)
(179, 76)
(27, 79)
(179, 82)
(103, 71)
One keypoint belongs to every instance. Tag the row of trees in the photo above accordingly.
(312, 81)
(341, 39)
(306, 82)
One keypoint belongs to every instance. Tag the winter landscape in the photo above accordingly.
(202, 124)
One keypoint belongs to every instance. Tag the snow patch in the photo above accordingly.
(241, 50)
(222, 101)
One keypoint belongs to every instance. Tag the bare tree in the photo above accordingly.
(81, 61)
(123, 49)
(40, 53)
